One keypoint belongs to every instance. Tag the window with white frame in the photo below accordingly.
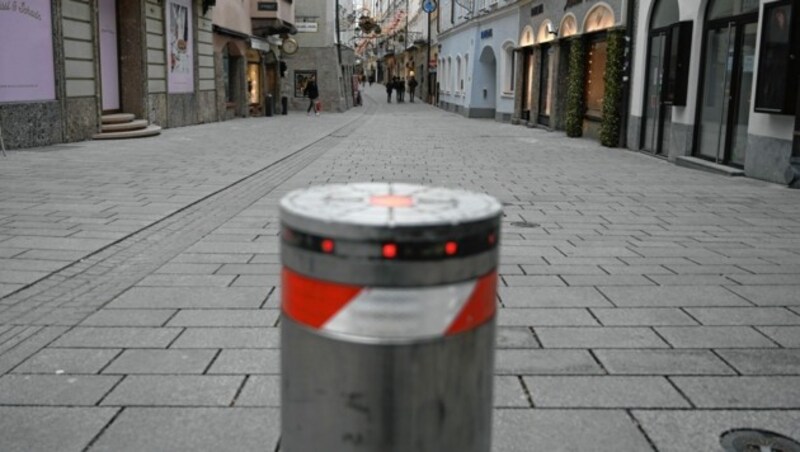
(508, 68)
(449, 73)
(457, 75)
(466, 71)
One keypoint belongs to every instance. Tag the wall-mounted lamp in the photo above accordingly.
(551, 29)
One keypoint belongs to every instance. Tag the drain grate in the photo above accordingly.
(754, 440)
(524, 224)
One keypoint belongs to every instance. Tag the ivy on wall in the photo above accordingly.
(575, 87)
(612, 98)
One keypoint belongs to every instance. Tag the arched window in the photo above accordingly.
(599, 18)
(508, 67)
(449, 75)
(665, 13)
(526, 39)
(569, 26)
(544, 34)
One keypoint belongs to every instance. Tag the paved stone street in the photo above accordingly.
(644, 306)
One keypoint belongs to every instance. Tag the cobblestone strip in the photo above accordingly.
(68, 296)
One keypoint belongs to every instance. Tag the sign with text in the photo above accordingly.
(180, 43)
(306, 27)
(26, 51)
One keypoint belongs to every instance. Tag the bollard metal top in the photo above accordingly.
(378, 210)
(391, 234)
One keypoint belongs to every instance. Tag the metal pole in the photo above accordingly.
(428, 62)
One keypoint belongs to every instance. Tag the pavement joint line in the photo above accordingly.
(725, 361)
(641, 429)
(526, 391)
(239, 390)
(683, 394)
(756, 327)
(102, 431)
(689, 314)
(110, 390)
(597, 360)
(536, 337)
(211, 362)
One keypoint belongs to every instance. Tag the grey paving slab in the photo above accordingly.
(515, 337)
(68, 360)
(683, 430)
(192, 429)
(171, 361)
(652, 297)
(174, 390)
(545, 362)
(692, 280)
(250, 269)
(604, 392)
(770, 295)
(741, 392)
(786, 336)
(129, 317)
(516, 430)
(45, 429)
(745, 316)
(763, 362)
(225, 317)
(551, 297)
(260, 391)
(714, 337)
(262, 281)
(228, 338)
(642, 316)
(509, 392)
(189, 297)
(240, 362)
(211, 258)
(54, 243)
(562, 269)
(662, 362)
(533, 281)
(117, 337)
(189, 268)
(545, 317)
(607, 280)
(176, 280)
(64, 390)
(766, 280)
(605, 337)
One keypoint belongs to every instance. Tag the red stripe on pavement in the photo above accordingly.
(480, 307)
(313, 302)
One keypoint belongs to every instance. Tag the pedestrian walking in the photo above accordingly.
(401, 89)
(412, 86)
(389, 87)
(312, 92)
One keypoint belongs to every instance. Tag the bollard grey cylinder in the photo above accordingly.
(388, 318)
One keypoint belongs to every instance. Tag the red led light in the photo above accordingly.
(492, 239)
(327, 246)
(450, 248)
(389, 250)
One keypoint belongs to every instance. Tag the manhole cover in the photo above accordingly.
(752, 440)
(524, 224)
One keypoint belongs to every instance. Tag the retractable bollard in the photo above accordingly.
(388, 325)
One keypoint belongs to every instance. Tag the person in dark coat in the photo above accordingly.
(400, 87)
(389, 88)
(412, 86)
(312, 92)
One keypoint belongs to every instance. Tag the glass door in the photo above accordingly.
(657, 112)
(727, 85)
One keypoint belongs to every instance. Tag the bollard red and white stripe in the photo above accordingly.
(389, 313)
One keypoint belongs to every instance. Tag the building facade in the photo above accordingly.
(715, 85)
(81, 59)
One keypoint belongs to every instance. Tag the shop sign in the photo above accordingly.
(536, 10)
(267, 6)
(26, 65)
(260, 44)
(486, 34)
(180, 52)
(306, 27)
(571, 3)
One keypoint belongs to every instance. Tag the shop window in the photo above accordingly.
(253, 83)
(728, 8)
(776, 88)
(226, 74)
(508, 68)
(595, 71)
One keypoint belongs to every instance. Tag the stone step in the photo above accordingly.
(149, 131)
(705, 165)
(122, 126)
(115, 118)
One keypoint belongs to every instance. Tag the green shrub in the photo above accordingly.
(575, 86)
(612, 98)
